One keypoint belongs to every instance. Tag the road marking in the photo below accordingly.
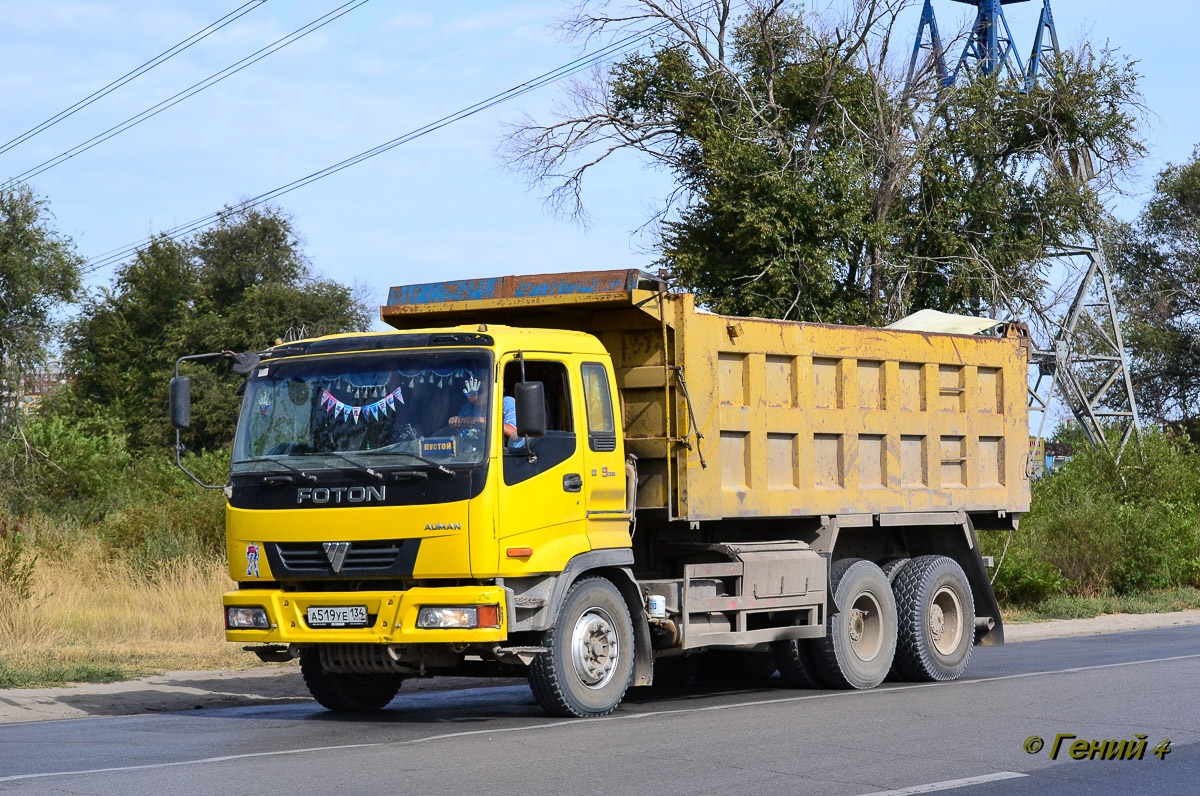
(578, 722)
(220, 759)
(949, 784)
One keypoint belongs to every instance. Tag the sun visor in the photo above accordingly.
(934, 321)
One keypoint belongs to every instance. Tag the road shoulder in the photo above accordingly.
(173, 691)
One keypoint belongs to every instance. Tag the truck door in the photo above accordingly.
(541, 489)
(603, 461)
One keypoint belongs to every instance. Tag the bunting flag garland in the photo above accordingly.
(373, 411)
(384, 407)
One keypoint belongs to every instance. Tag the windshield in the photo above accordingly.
(420, 409)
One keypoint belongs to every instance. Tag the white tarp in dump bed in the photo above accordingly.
(934, 321)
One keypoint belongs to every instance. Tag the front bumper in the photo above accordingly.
(392, 616)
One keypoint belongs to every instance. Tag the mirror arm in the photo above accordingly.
(186, 471)
(179, 448)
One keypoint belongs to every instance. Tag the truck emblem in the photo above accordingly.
(341, 494)
(336, 553)
(443, 526)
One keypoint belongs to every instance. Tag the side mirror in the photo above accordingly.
(181, 401)
(530, 398)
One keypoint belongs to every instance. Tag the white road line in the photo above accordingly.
(949, 784)
(620, 717)
(220, 759)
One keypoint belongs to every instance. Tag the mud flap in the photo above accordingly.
(981, 587)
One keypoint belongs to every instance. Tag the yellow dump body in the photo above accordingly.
(752, 418)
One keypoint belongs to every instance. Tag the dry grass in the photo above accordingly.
(95, 618)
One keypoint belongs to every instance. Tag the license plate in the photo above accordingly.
(337, 616)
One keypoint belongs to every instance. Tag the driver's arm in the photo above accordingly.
(510, 418)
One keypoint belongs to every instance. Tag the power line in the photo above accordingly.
(610, 50)
(191, 90)
(135, 73)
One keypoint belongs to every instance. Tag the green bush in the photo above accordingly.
(1096, 527)
(59, 464)
(165, 516)
(79, 478)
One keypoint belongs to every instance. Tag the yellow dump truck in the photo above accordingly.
(590, 480)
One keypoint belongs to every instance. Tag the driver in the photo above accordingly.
(473, 413)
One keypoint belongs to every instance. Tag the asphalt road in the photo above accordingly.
(960, 737)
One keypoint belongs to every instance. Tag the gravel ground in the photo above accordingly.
(232, 688)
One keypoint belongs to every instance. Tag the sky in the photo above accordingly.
(441, 207)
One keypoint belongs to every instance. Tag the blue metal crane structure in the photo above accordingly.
(989, 47)
(1085, 357)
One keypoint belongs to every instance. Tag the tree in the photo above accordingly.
(813, 181)
(238, 285)
(39, 270)
(1158, 261)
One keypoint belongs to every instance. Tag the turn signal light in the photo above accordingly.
(519, 552)
(489, 616)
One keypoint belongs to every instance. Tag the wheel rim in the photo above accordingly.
(945, 621)
(865, 625)
(595, 648)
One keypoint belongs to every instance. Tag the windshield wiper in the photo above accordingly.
(273, 460)
(435, 465)
(359, 465)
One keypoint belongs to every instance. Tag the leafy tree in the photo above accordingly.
(813, 181)
(238, 285)
(1159, 265)
(39, 270)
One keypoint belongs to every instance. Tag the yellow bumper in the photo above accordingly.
(394, 616)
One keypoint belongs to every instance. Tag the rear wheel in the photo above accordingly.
(589, 661)
(860, 633)
(937, 619)
(796, 667)
(358, 693)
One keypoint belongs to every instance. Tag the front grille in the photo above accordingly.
(361, 555)
(366, 559)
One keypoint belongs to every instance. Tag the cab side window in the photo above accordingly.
(597, 397)
(559, 443)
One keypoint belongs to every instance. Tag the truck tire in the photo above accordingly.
(796, 667)
(357, 693)
(891, 568)
(860, 633)
(937, 619)
(589, 659)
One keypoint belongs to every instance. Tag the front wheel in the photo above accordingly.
(588, 663)
(358, 693)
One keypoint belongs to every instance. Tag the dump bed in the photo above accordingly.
(745, 417)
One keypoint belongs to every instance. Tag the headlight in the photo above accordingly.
(242, 617)
(458, 616)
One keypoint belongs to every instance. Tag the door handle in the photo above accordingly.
(572, 482)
